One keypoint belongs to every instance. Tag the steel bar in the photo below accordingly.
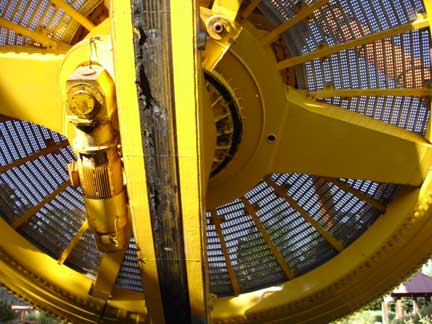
(336, 244)
(67, 251)
(289, 273)
(228, 8)
(5, 118)
(122, 32)
(75, 14)
(217, 221)
(24, 218)
(324, 50)
(428, 7)
(109, 268)
(247, 11)
(378, 205)
(302, 13)
(191, 152)
(325, 201)
(371, 92)
(39, 37)
(51, 148)
(335, 137)
(27, 50)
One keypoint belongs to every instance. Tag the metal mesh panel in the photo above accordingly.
(220, 282)
(129, 276)
(53, 226)
(342, 214)
(24, 186)
(294, 237)
(41, 15)
(85, 257)
(252, 260)
(400, 61)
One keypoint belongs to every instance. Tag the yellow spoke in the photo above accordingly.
(109, 268)
(325, 197)
(324, 50)
(28, 84)
(67, 251)
(327, 140)
(38, 36)
(228, 8)
(75, 14)
(279, 190)
(52, 147)
(302, 13)
(378, 205)
(247, 11)
(5, 119)
(132, 151)
(24, 218)
(217, 221)
(251, 210)
(217, 46)
(371, 92)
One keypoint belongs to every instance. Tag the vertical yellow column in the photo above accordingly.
(428, 7)
(133, 156)
(187, 84)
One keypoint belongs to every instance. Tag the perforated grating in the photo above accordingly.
(129, 276)
(41, 16)
(402, 61)
(24, 186)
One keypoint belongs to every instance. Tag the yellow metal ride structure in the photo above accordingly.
(226, 161)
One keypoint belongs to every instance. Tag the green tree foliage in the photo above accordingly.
(6, 312)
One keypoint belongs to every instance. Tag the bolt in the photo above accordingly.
(218, 27)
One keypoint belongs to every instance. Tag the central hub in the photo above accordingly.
(248, 99)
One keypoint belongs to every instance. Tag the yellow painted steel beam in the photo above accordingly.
(428, 7)
(28, 82)
(326, 201)
(227, 8)
(407, 219)
(190, 114)
(28, 49)
(67, 251)
(302, 13)
(378, 205)
(218, 46)
(251, 210)
(37, 36)
(24, 218)
(336, 244)
(75, 14)
(106, 276)
(5, 119)
(371, 92)
(51, 148)
(247, 11)
(132, 151)
(71, 297)
(420, 23)
(217, 221)
(326, 140)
